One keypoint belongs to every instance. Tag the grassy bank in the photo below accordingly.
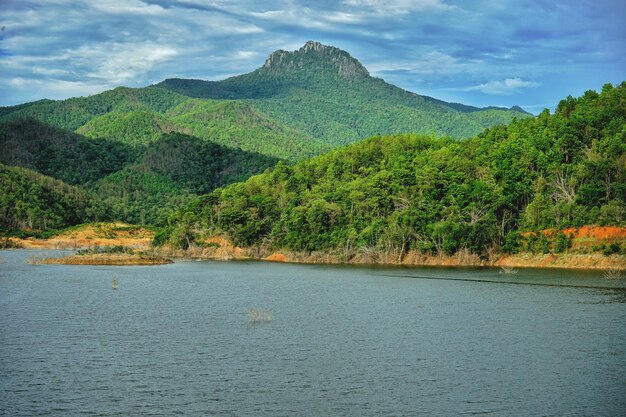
(90, 236)
(107, 259)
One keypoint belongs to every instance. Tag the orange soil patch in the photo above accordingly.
(276, 257)
(587, 232)
(597, 232)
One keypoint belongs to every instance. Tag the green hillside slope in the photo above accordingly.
(170, 172)
(29, 200)
(59, 153)
(237, 124)
(140, 116)
(73, 113)
(142, 180)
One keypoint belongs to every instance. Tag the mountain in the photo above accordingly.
(438, 196)
(328, 94)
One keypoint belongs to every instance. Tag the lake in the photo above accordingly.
(342, 341)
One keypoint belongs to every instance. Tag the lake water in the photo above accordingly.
(343, 341)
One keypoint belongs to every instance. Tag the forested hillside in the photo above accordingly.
(29, 200)
(432, 194)
(141, 182)
(329, 95)
(73, 113)
(59, 153)
(170, 172)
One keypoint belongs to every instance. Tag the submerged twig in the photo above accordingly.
(259, 315)
(509, 270)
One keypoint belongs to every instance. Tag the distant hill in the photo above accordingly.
(73, 113)
(140, 116)
(141, 182)
(170, 172)
(326, 93)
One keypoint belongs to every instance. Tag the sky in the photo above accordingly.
(477, 52)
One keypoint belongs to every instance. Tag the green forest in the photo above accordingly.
(436, 195)
(31, 201)
(136, 182)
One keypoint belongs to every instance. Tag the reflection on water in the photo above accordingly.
(613, 296)
(353, 341)
(553, 277)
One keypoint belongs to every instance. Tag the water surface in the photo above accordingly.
(343, 341)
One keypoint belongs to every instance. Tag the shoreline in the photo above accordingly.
(562, 261)
(221, 249)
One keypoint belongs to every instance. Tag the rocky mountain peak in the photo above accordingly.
(316, 56)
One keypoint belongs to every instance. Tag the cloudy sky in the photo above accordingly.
(480, 52)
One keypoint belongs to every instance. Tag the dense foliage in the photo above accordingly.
(137, 117)
(229, 123)
(29, 200)
(238, 125)
(140, 181)
(435, 195)
(59, 153)
(172, 170)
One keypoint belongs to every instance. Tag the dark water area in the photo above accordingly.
(343, 341)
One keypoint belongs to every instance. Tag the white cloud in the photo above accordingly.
(433, 62)
(108, 63)
(245, 55)
(341, 17)
(394, 7)
(120, 62)
(300, 18)
(504, 87)
(54, 88)
(127, 7)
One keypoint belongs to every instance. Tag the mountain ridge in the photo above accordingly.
(345, 64)
(330, 95)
